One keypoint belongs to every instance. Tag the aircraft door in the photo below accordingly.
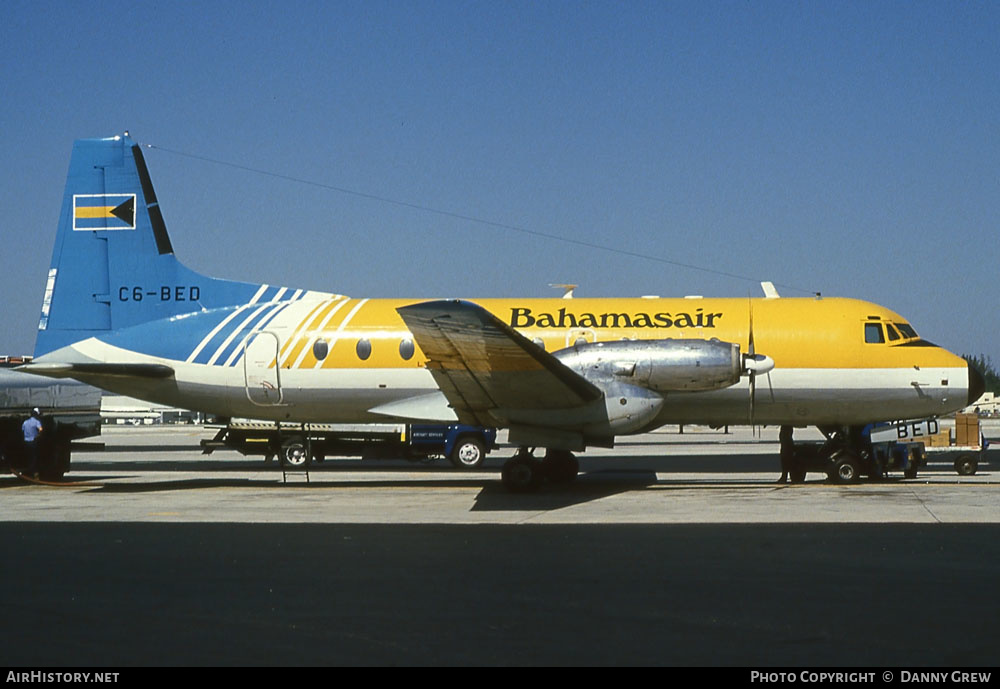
(260, 369)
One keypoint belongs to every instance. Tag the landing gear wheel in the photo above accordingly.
(294, 453)
(844, 468)
(521, 473)
(966, 465)
(468, 453)
(560, 466)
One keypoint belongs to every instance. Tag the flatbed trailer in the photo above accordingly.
(298, 445)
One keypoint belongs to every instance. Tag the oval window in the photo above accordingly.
(364, 348)
(320, 349)
(406, 349)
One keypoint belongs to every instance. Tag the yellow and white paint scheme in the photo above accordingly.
(336, 359)
(120, 312)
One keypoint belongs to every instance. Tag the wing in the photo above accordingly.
(486, 369)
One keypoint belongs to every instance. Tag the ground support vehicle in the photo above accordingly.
(877, 449)
(70, 411)
(848, 454)
(963, 446)
(298, 445)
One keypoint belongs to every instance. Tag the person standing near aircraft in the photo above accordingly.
(787, 450)
(32, 429)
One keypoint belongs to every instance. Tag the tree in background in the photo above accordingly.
(984, 365)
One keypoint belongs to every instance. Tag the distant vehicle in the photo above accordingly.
(70, 411)
(298, 445)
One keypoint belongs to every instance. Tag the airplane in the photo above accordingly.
(120, 312)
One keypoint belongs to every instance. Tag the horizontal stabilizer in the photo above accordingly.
(57, 370)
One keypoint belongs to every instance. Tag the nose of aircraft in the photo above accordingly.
(977, 385)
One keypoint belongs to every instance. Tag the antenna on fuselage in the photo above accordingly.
(567, 289)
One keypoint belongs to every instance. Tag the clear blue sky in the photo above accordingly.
(851, 148)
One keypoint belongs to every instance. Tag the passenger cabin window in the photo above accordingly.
(364, 349)
(406, 348)
(891, 332)
(320, 349)
(873, 333)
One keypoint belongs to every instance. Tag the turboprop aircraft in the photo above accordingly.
(122, 313)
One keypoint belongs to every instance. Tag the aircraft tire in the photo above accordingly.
(521, 473)
(468, 453)
(966, 465)
(560, 466)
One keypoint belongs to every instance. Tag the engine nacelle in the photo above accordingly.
(672, 365)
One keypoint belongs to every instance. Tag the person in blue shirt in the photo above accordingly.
(32, 429)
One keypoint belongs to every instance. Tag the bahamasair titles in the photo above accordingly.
(121, 312)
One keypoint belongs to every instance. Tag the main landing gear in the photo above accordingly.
(523, 473)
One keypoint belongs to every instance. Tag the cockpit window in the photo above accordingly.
(873, 333)
(891, 332)
(906, 330)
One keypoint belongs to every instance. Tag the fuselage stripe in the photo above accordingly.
(293, 346)
(215, 331)
(307, 338)
(302, 323)
(337, 333)
(318, 324)
(237, 354)
(235, 331)
(259, 294)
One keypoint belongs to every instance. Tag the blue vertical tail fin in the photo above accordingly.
(113, 265)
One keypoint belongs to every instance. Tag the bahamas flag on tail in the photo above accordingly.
(103, 212)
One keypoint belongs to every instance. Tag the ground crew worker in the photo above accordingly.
(32, 429)
(787, 451)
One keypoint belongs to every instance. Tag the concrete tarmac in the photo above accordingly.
(669, 550)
